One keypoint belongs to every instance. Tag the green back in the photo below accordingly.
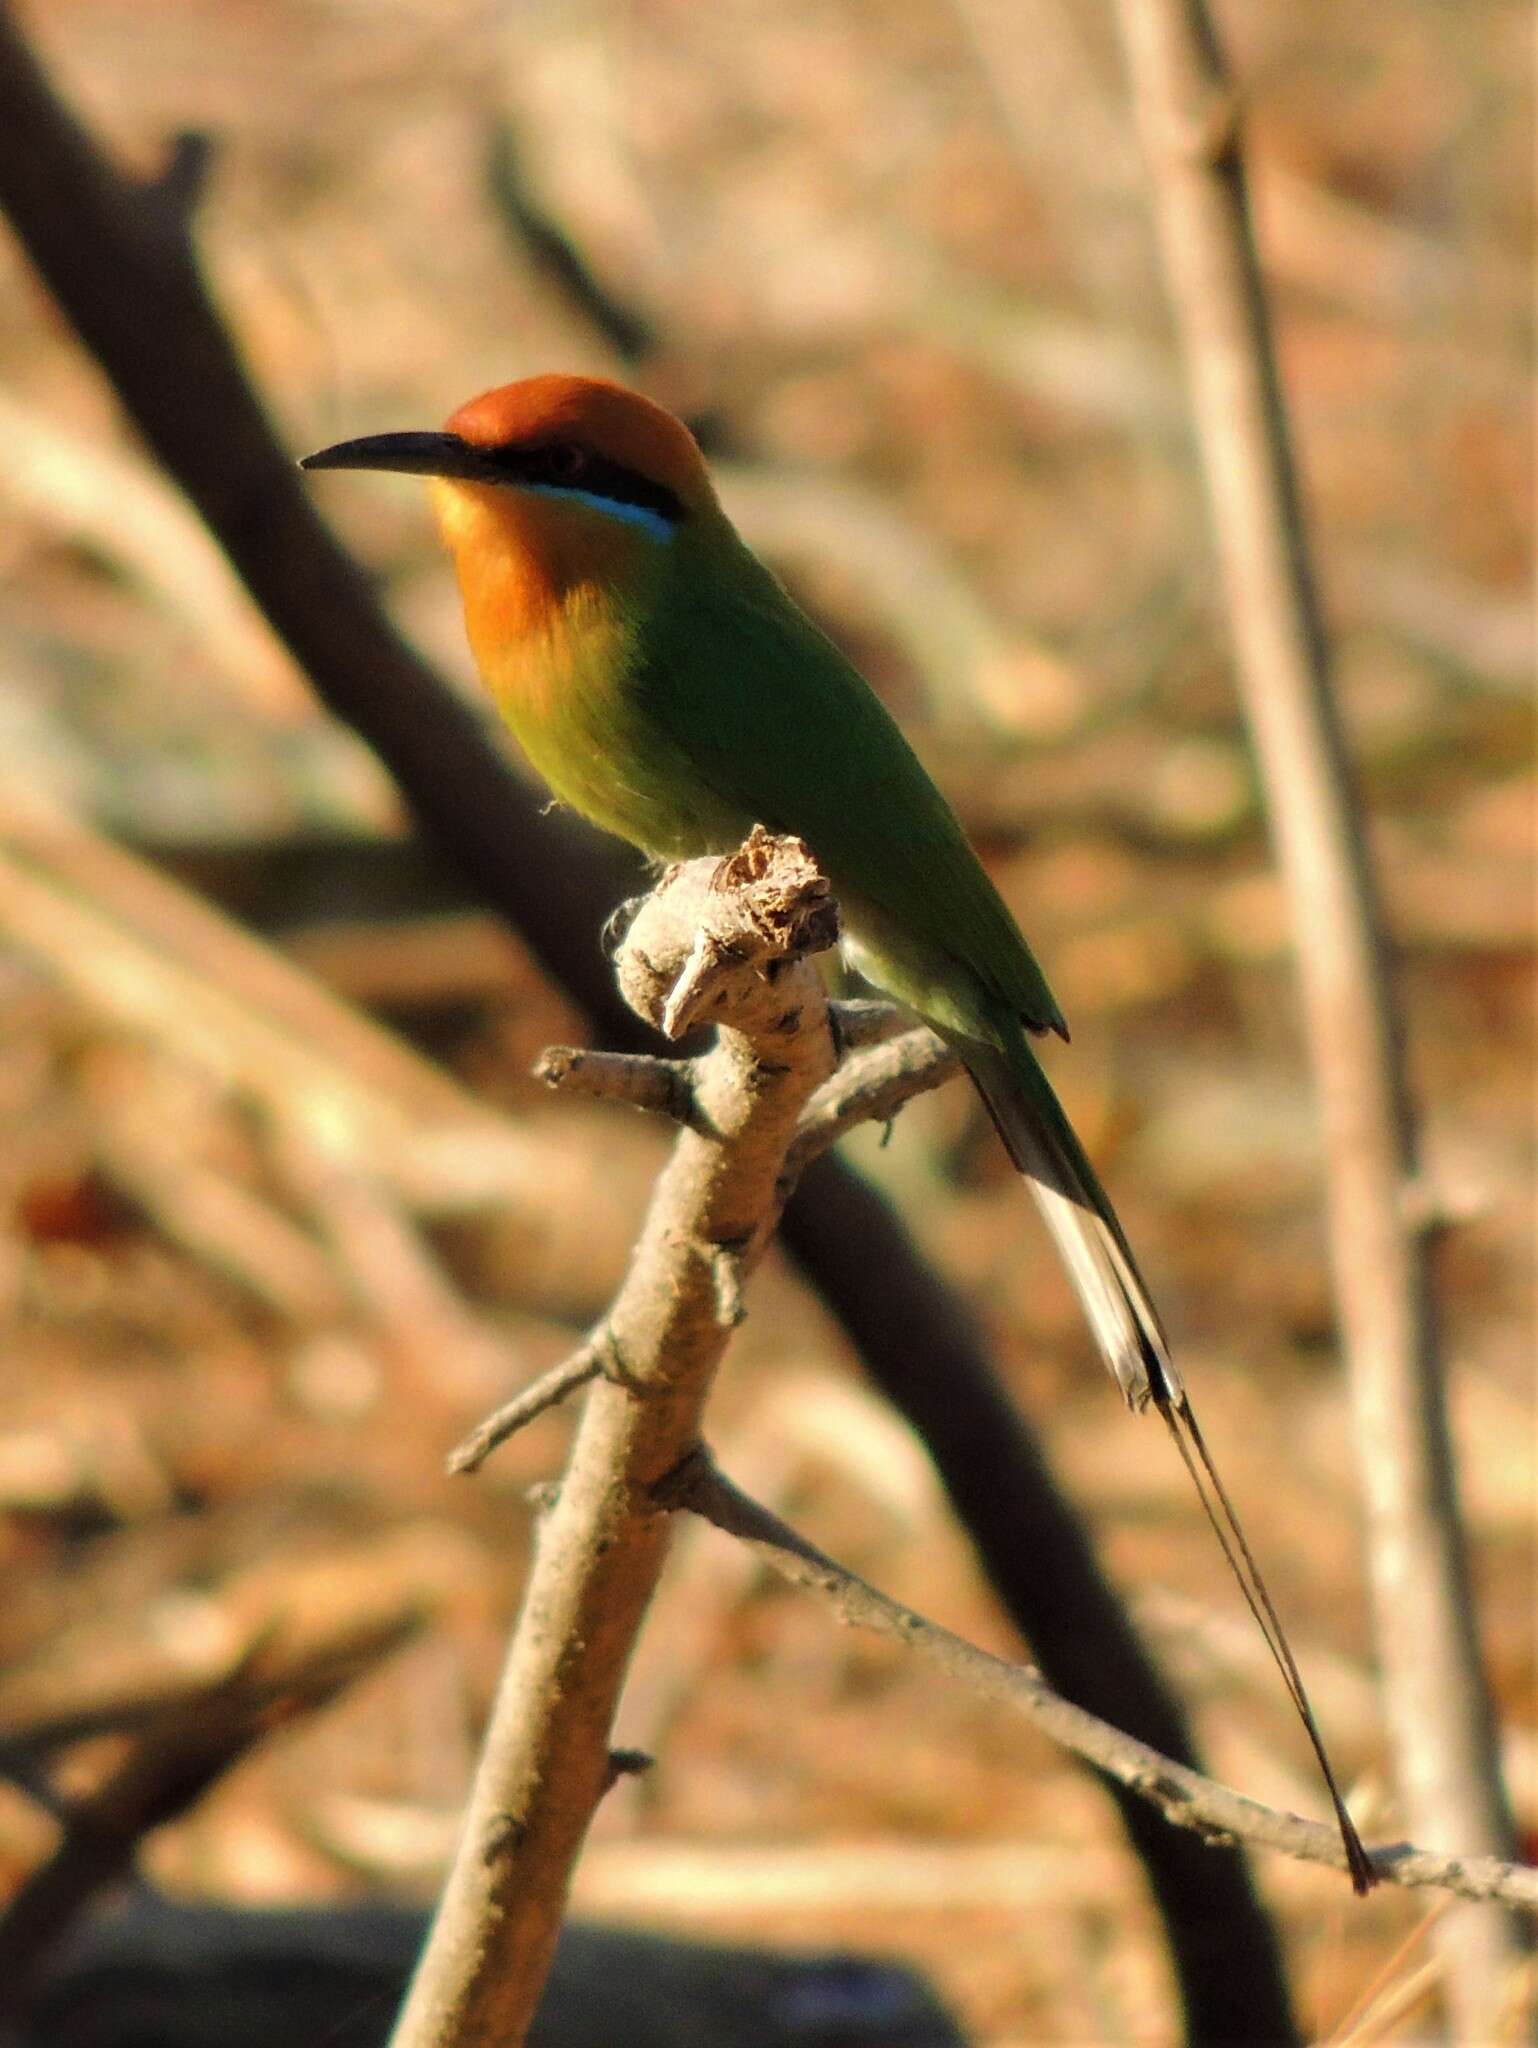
(777, 723)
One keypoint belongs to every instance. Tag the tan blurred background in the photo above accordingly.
(260, 1266)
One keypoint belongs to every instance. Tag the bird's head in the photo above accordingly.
(548, 485)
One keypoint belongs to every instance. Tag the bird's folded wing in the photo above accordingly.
(776, 720)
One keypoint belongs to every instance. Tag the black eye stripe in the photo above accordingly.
(567, 466)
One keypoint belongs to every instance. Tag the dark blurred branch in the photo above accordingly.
(1439, 1709)
(109, 249)
(630, 334)
(923, 1351)
(118, 1672)
(168, 1769)
(195, 1976)
(179, 187)
(1187, 1800)
(592, 301)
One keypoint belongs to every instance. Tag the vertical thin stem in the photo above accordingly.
(1437, 1702)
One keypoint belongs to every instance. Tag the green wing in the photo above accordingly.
(775, 721)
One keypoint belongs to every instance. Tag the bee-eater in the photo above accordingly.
(666, 685)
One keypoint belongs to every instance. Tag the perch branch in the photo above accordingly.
(1439, 1709)
(546, 1760)
(1184, 1797)
(872, 1085)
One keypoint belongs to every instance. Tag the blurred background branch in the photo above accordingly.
(1189, 109)
(184, 1749)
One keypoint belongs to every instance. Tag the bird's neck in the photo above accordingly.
(519, 555)
(549, 591)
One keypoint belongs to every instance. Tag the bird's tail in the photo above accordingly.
(1041, 1142)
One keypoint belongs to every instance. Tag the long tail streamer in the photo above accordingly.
(1219, 1509)
(1041, 1142)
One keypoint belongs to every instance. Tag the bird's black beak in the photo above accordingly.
(407, 454)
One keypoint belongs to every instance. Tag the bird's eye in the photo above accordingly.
(568, 462)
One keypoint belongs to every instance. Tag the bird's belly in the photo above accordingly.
(599, 755)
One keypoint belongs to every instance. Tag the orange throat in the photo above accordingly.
(540, 581)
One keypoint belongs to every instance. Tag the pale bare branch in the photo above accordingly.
(546, 1761)
(1183, 1796)
(1440, 1714)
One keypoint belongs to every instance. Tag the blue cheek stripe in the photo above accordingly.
(653, 524)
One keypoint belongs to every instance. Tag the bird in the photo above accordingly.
(666, 685)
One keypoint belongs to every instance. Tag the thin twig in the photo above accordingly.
(1439, 1709)
(1183, 1796)
(1389, 1976)
(548, 1391)
(665, 1087)
(870, 1088)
